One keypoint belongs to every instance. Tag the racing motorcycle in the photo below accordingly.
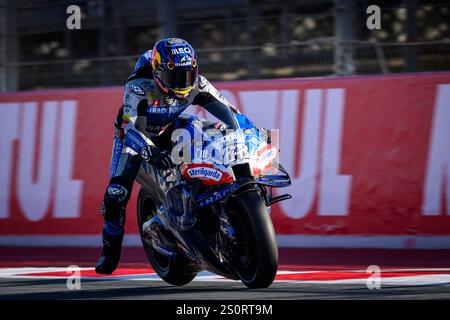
(213, 213)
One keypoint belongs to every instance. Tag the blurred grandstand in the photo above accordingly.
(235, 39)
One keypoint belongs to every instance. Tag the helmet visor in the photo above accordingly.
(179, 79)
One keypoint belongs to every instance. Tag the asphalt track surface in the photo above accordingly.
(40, 273)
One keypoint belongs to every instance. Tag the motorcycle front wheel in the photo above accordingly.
(255, 252)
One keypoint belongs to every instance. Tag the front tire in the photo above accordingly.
(255, 255)
(178, 271)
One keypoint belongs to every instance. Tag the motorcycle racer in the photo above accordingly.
(164, 82)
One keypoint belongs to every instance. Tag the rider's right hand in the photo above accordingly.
(160, 158)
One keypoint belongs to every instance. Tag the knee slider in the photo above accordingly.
(116, 192)
(114, 202)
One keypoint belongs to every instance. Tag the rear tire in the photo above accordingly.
(254, 229)
(177, 271)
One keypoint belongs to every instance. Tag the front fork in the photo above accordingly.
(226, 236)
(225, 226)
(226, 229)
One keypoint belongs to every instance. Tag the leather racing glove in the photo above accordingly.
(158, 157)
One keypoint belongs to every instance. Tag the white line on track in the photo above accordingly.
(415, 280)
(434, 279)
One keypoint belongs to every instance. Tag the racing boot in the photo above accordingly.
(112, 245)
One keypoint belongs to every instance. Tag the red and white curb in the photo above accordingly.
(403, 277)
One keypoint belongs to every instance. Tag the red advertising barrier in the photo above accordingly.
(369, 159)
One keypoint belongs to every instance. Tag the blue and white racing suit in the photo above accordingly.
(146, 111)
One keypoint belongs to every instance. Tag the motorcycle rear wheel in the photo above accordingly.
(177, 271)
